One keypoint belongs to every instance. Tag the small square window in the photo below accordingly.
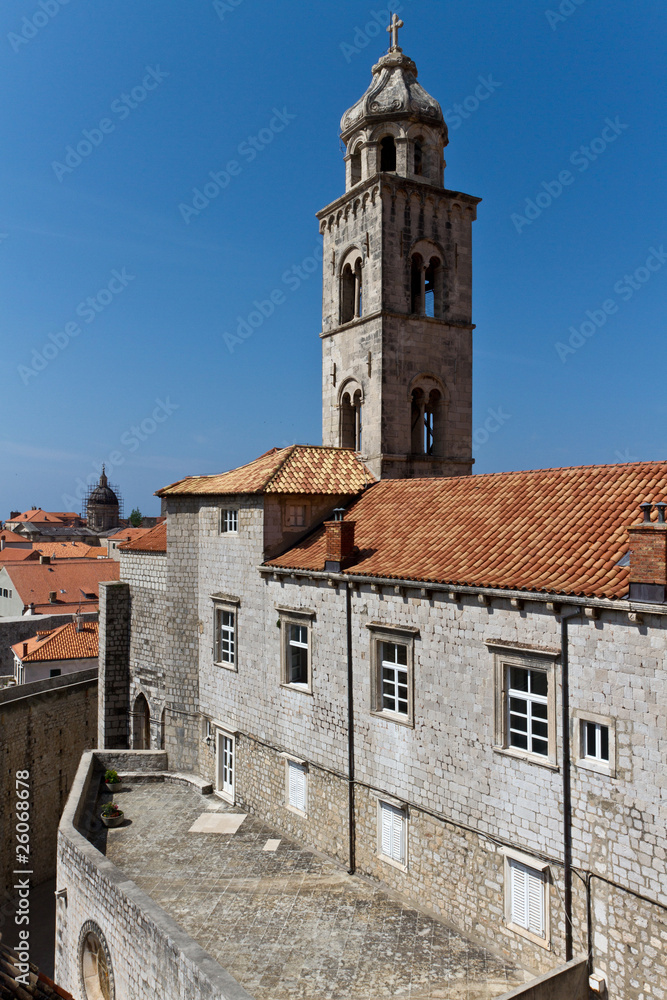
(295, 515)
(392, 833)
(55, 672)
(229, 522)
(595, 743)
(526, 899)
(225, 637)
(297, 781)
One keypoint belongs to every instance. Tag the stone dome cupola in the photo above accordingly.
(396, 127)
(103, 508)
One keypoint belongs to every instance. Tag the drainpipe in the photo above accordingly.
(567, 782)
(350, 730)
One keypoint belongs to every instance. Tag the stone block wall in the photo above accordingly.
(114, 669)
(44, 728)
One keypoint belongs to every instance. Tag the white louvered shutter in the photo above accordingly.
(398, 839)
(297, 786)
(518, 893)
(535, 885)
(387, 822)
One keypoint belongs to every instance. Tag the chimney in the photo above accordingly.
(25, 649)
(2, 544)
(339, 542)
(45, 559)
(52, 597)
(648, 556)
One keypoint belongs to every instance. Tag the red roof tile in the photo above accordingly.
(150, 540)
(62, 643)
(71, 580)
(70, 550)
(11, 536)
(552, 530)
(297, 469)
(17, 555)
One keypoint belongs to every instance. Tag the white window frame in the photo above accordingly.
(398, 813)
(225, 604)
(229, 521)
(289, 618)
(225, 637)
(399, 636)
(226, 791)
(294, 766)
(597, 765)
(537, 881)
(529, 660)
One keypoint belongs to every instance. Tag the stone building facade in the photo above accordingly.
(455, 686)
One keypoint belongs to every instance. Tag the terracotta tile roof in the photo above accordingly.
(62, 643)
(150, 540)
(18, 555)
(128, 534)
(44, 516)
(70, 579)
(297, 469)
(11, 536)
(69, 550)
(39, 988)
(552, 530)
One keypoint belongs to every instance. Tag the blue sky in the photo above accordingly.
(126, 297)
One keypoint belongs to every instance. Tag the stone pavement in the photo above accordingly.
(283, 921)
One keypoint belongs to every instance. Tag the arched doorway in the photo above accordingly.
(141, 724)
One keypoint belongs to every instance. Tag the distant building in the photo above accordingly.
(102, 506)
(53, 587)
(63, 650)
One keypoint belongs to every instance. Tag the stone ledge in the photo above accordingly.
(176, 778)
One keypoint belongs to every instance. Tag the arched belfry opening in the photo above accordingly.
(355, 166)
(418, 163)
(351, 291)
(351, 404)
(426, 421)
(426, 286)
(388, 154)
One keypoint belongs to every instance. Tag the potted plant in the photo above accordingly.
(112, 781)
(112, 815)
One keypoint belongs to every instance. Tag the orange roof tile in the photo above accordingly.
(149, 540)
(70, 579)
(69, 550)
(17, 555)
(552, 530)
(11, 536)
(44, 516)
(62, 643)
(296, 469)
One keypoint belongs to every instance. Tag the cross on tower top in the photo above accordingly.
(396, 23)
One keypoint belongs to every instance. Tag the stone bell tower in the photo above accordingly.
(397, 297)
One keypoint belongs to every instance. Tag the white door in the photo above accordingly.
(225, 754)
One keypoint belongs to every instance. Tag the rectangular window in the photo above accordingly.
(55, 672)
(229, 522)
(295, 515)
(392, 833)
(595, 741)
(527, 710)
(394, 665)
(225, 637)
(296, 648)
(526, 907)
(296, 785)
(297, 658)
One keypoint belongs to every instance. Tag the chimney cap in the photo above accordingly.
(339, 513)
(660, 507)
(646, 507)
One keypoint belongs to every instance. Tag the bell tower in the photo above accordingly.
(397, 296)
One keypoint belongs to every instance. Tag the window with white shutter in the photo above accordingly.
(392, 834)
(527, 897)
(296, 785)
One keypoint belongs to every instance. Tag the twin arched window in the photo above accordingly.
(426, 286)
(351, 291)
(426, 421)
(350, 418)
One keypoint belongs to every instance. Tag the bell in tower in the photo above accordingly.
(397, 299)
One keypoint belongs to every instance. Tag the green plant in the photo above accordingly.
(111, 776)
(111, 809)
(136, 518)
